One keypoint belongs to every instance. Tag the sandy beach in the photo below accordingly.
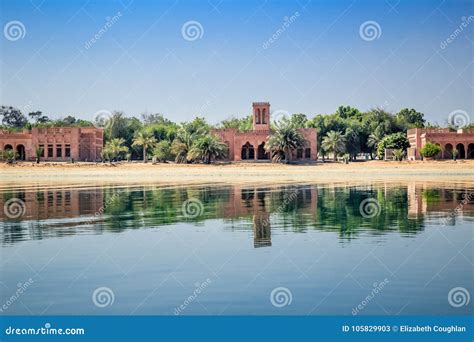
(27, 174)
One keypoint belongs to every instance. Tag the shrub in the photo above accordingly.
(430, 150)
(396, 141)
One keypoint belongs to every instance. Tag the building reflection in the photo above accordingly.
(67, 211)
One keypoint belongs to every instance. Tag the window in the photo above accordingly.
(67, 153)
(299, 153)
(59, 151)
(42, 150)
(307, 153)
(50, 151)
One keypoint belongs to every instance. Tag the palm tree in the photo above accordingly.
(284, 139)
(208, 147)
(398, 154)
(146, 140)
(374, 139)
(334, 142)
(39, 153)
(114, 148)
(9, 155)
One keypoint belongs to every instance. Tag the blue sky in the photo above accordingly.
(142, 63)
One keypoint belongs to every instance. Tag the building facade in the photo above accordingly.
(58, 143)
(462, 140)
(248, 146)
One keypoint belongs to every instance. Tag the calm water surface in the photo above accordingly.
(306, 249)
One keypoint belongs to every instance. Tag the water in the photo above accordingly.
(211, 250)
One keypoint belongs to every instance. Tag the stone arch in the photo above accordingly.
(461, 151)
(261, 152)
(470, 151)
(448, 151)
(248, 151)
(264, 116)
(20, 150)
(8, 147)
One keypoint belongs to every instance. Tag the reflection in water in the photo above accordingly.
(65, 212)
(150, 250)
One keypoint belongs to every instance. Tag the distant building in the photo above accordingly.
(251, 145)
(58, 143)
(462, 140)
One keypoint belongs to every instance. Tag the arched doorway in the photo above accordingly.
(448, 151)
(461, 151)
(261, 153)
(8, 147)
(470, 151)
(248, 151)
(20, 150)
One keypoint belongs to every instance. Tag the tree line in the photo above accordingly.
(346, 133)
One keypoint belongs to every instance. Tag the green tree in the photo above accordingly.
(397, 141)
(208, 147)
(13, 117)
(398, 155)
(145, 140)
(162, 151)
(334, 142)
(114, 148)
(411, 118)
(9, 155)
(284, 139)
(38, 152)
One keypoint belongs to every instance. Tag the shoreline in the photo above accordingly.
(25, 174)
